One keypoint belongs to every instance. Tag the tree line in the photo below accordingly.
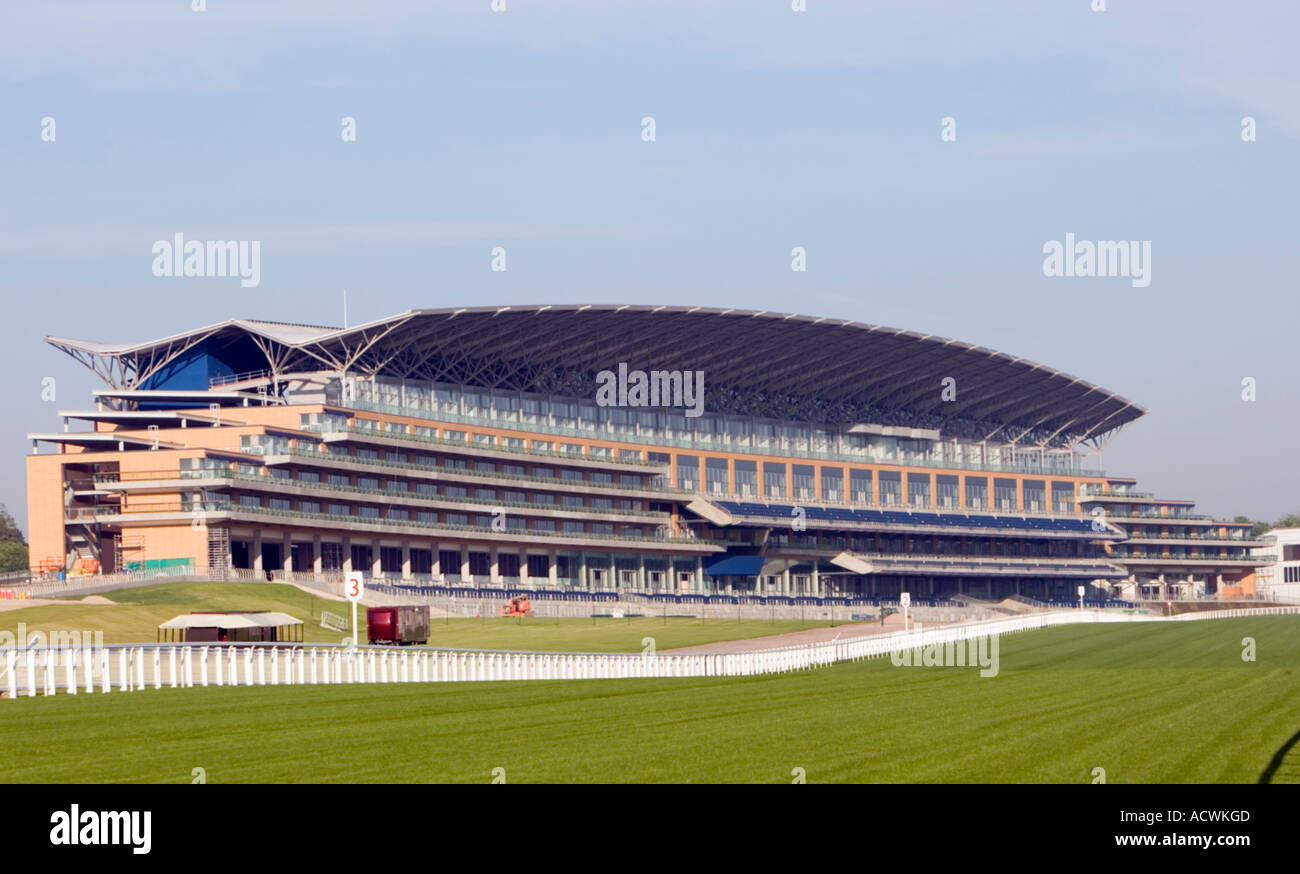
(13, 545)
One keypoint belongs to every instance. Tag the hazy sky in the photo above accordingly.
(774, 129)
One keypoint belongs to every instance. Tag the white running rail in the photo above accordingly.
(46, 670)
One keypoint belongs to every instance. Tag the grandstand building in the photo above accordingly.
(475, 446)
(1279, 579)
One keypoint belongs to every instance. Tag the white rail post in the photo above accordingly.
(171, 664)
(157, 667)
(248, 666)
(203, 666)
(301, 677)
(123, 678)
(70, 664)
(315, 675)
(232, 664)
(275, 666)
(11, 671)
(261, 666)
(48, 657)
(219, 653)
(89, 659)
(106, 684)
(138, 655)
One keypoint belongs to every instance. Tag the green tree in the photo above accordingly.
(1291, 520)
(13, 557)
(9, 532)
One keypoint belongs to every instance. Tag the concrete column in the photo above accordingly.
(640, 572)
(583, 581)
(816, 578)
(347, 554)
(552, 572)
(464, 563)
(286, 550)
(435, 569)
(376, 568)
(316, 560)
(494, 569)
(699, 573)
(523, 568)
(257, 551)
(613, 571)
(406, 559)
(785, 581)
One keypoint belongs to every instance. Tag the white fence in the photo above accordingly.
(28, 671)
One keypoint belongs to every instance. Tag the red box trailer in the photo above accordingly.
(400, 626)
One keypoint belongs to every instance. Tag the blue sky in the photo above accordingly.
(774, 129)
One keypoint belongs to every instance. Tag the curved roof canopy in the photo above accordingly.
(769, 365)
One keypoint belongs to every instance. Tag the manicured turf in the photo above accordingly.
(136, 614)
(1147, 702)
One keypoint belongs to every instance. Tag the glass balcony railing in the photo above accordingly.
(751, 445)
(406, 496)
(663, 534)
(538, 454)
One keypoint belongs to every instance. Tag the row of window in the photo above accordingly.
(401, 486)
(445, 462)
(333, 422)
(1139, 552)
(501, 521)
(769, 479)
(512, 409)
(899, 544)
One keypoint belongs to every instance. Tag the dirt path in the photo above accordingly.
(893, 622)
(89, 600)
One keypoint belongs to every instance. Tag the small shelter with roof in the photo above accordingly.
(232, 625)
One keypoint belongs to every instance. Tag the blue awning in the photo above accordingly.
(734, 565)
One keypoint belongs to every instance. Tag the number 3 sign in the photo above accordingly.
(355, 588)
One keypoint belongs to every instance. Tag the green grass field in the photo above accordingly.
(136, 614)
(1168, 703)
